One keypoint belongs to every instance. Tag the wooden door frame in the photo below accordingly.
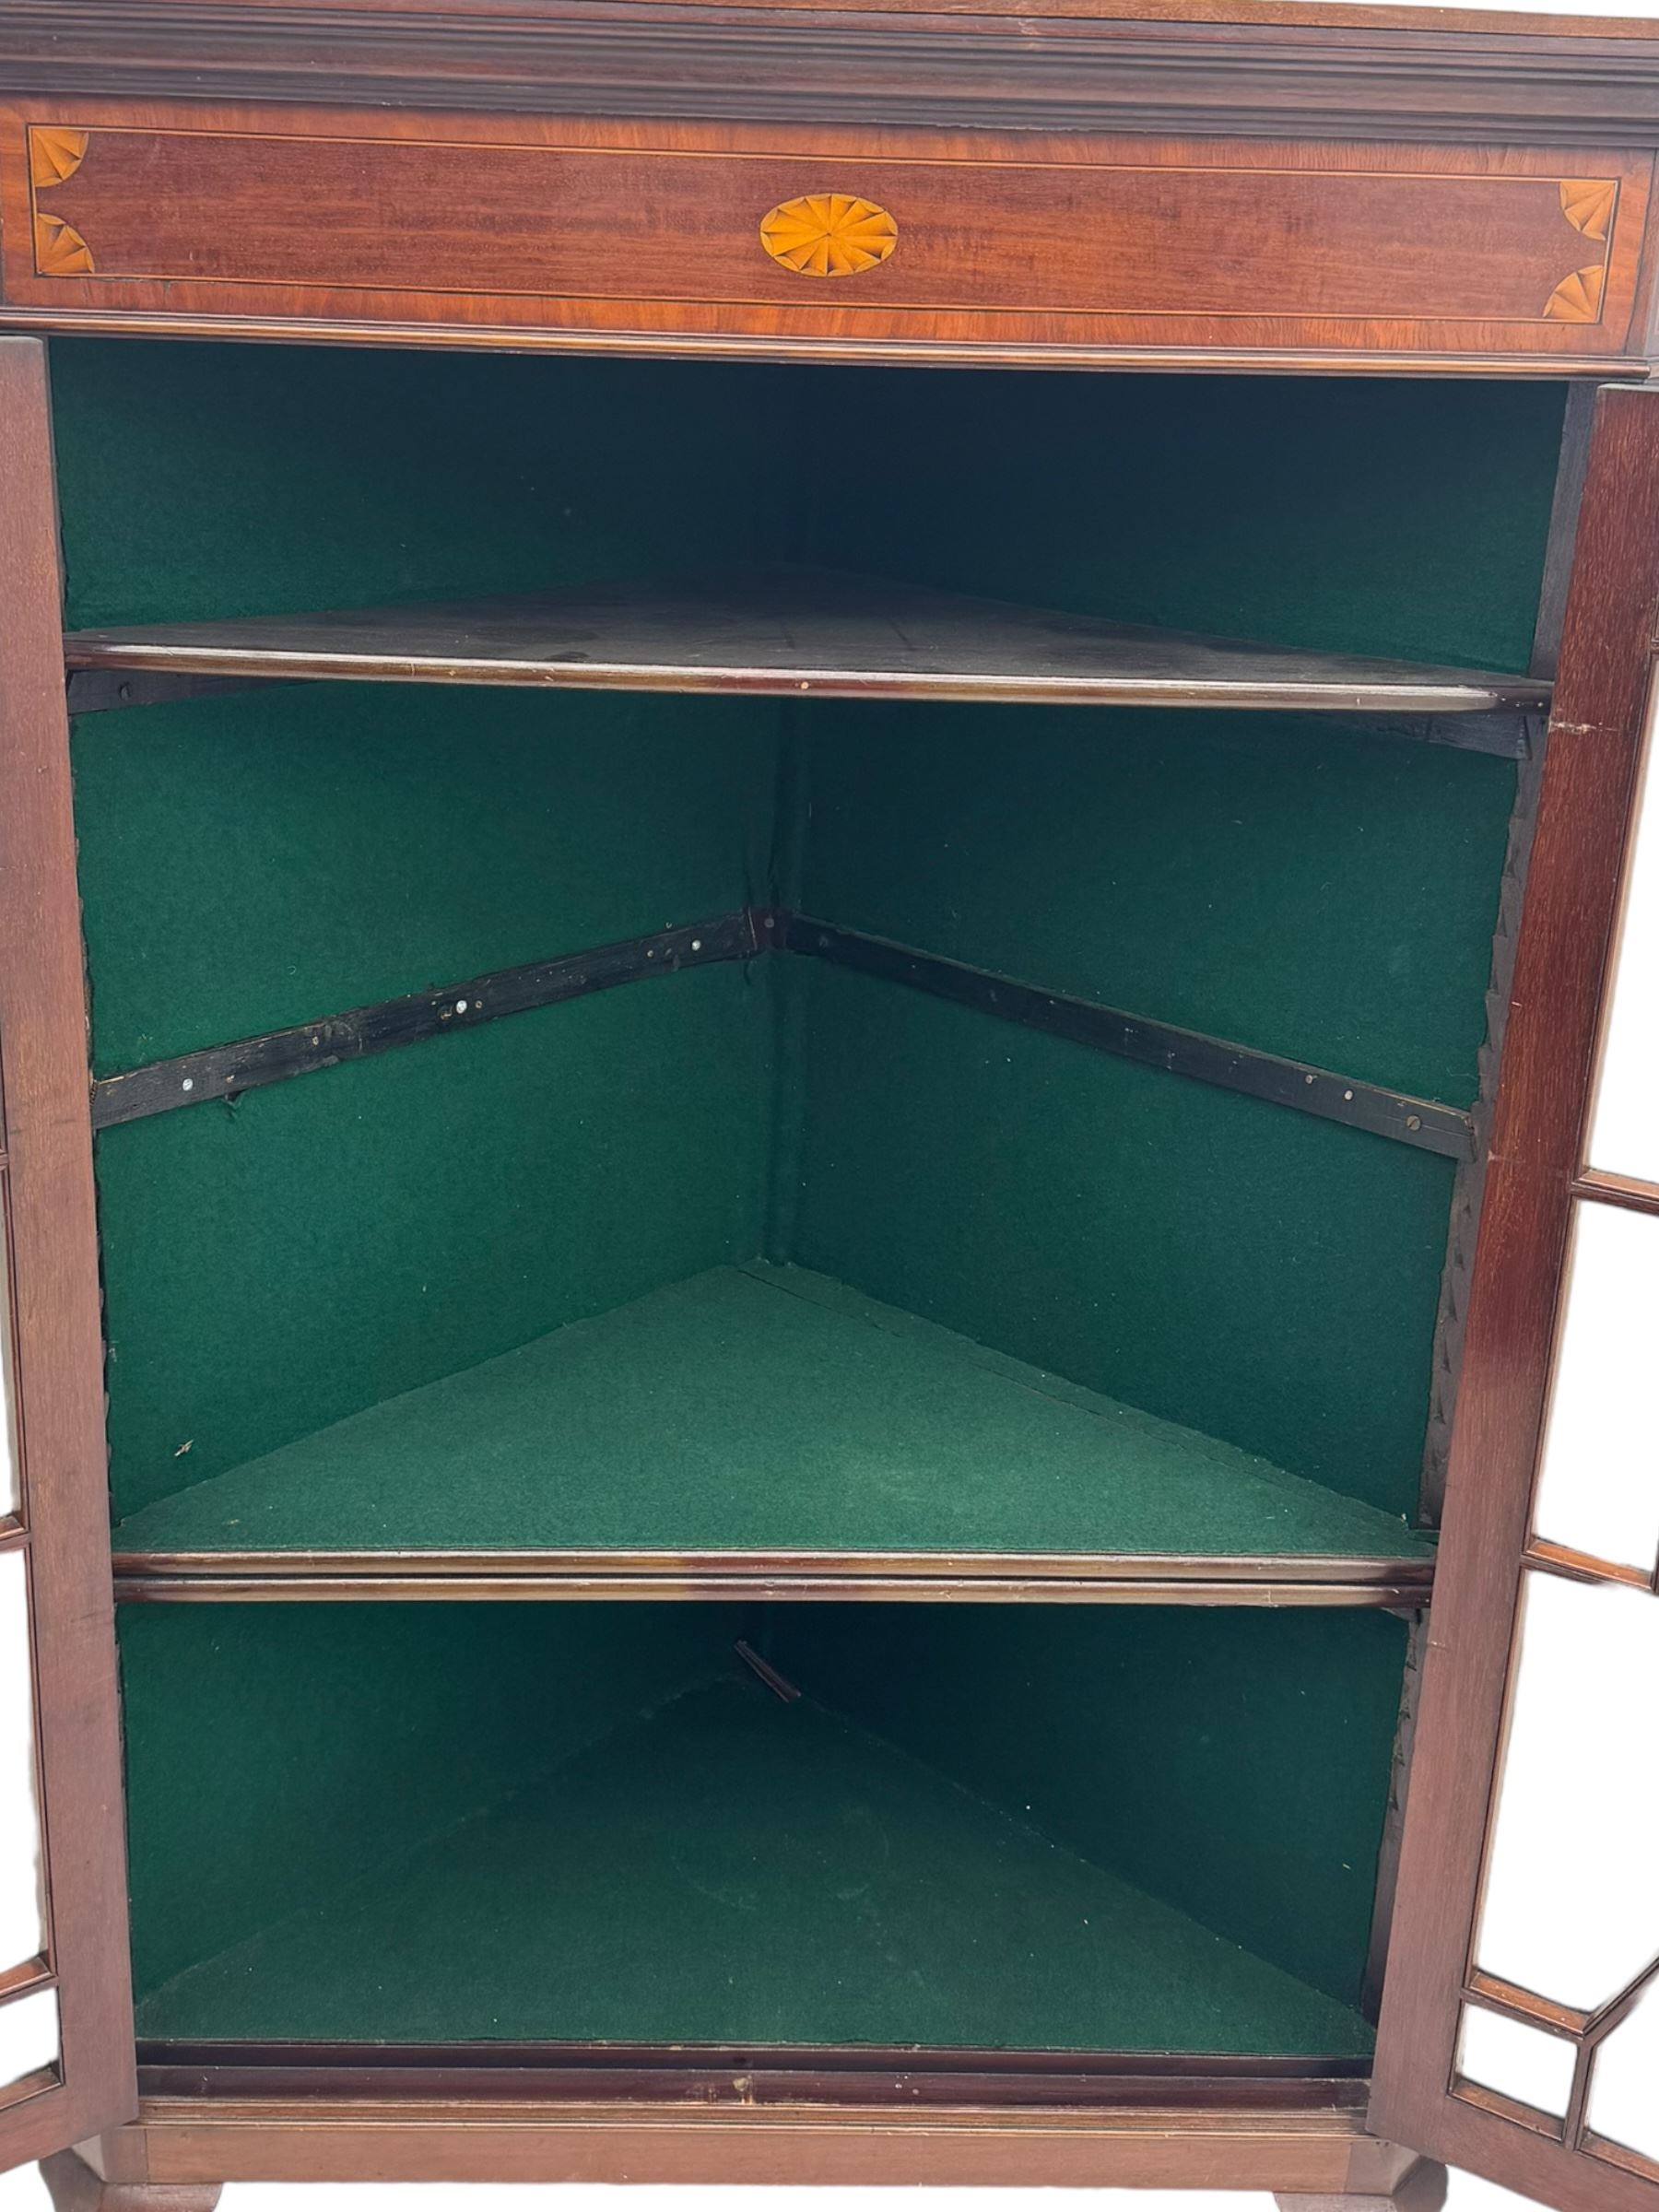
(58, 1354)
(1563, 959)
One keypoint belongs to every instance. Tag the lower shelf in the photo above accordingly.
(766, 1422)
(735, 1870)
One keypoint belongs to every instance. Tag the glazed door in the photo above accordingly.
(1520, 2032)
(65, 2008)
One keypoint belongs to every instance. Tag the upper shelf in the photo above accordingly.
(790, 630)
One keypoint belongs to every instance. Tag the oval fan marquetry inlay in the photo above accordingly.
(829, 234)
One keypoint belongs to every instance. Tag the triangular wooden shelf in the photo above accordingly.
(791, 631)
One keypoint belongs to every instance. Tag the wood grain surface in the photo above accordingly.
(577, 227)
(1233, 2143)
(54, 1312)
(1603, 685)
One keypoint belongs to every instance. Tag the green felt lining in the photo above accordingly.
(760, 1409)
(274, 1754)
(339, 1239)
(1252, 1273)
(734, 1870)
(269, 857)
(1233, 1762)
(204, 480)
(1405, 517)
(1322, 890)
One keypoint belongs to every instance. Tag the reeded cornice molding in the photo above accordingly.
(1323, 75)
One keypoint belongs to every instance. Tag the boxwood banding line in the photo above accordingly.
(224, 1071)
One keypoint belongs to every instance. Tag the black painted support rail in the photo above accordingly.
(1422, 1122)
(224, 1071)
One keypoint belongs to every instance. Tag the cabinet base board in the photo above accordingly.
(1319, 2148)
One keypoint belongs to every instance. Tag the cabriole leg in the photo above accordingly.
(1421, 2189)
(74, 2187)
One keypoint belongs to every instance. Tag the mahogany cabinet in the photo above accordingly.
(827, 955)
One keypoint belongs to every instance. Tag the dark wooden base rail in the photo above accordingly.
(1316, 2154)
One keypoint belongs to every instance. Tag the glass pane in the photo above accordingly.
(28, 2035)
(22, 1935)
(1572, 1908)
(1518, 2060)
(1624, 1129)
(1598, 1488)
(1624, 2088)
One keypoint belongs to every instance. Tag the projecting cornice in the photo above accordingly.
(1324, 72)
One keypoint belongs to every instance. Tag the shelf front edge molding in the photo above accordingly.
(1508, 734)
(747, 2075)
(493, 336)
(792, 632)
(1394, 1585)
(226, 1071)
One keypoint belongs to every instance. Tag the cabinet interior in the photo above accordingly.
(771, 1254)
(1084, 1829)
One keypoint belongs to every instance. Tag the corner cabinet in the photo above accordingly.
(831, 1211)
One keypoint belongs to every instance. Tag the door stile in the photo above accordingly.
(1601, 714)
(59, 1533)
